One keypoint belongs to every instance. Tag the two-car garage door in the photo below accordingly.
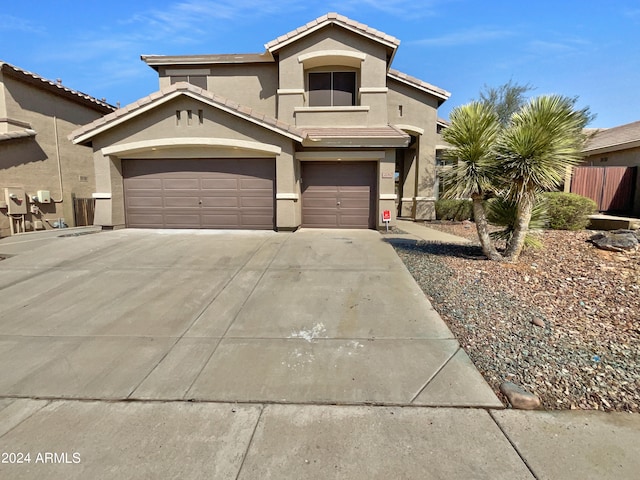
(199, 193)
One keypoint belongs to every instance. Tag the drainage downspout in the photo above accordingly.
(55, 132)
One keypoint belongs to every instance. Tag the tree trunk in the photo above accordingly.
(483, 231)
(520, 229)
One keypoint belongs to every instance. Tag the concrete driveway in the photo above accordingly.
(283, 341)
(311, 317)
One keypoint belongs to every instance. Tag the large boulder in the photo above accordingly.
(616, 240)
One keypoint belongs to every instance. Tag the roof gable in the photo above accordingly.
(86, 132)
(56, 87)
(332, 19)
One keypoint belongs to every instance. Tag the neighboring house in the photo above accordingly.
(313, 132)
(609, 174)
(40, 169)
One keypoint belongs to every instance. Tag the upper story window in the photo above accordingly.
(197, 80)
(332, 89)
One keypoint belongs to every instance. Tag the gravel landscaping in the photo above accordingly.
(563, 322)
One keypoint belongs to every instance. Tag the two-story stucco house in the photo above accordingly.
(41, 172)
(317, 131)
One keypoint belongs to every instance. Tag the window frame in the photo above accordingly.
(331, 71)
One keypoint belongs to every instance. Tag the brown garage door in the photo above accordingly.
(339, 194)
(199, 193)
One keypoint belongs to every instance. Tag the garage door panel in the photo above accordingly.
(180, 220)
(220, 202)
(181, 184)
(145, 201)
(181, 202)
(145, 183)
(207, 193)
(150, 220)
(219, 184)
(320, 220)
(255, 184)
(220, 220)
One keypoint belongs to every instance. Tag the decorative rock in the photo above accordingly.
(538, 322)
(616, 240)
(519, 398)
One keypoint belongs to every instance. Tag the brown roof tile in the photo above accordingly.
(615, 138)
(240, 110)
(57, 87)
(332, 18)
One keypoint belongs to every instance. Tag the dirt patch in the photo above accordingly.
(587, 355)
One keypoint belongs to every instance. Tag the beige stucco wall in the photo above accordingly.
(32, 163)
(253, 85)
(160, 123)
(622, 158)
(371, 75)
(419, 109)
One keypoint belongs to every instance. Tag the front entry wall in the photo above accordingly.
(199, 193)
(339, 194)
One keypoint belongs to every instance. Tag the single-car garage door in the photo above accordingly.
(199, 193)
(339, 194)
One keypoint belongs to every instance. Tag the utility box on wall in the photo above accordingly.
(16, 200)
(44, 196)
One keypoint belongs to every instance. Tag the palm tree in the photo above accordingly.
(472, 133)
(535, 149)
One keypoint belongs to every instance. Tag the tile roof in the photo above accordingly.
(184, 87)
(616, 138)
(27, 132)
(155, 61)
(56, 86)
(350, 132)
(416, 82)
(328, 19)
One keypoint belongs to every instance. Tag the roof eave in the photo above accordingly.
(442, 95)
(611, 148)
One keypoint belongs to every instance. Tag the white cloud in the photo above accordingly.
(399, 8)
(17, 24)
(194, 17)
(466, 37)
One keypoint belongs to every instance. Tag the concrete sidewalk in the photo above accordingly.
(419, 231)
(114, 440)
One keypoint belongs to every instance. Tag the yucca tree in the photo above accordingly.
(534, 150)
(473, 132)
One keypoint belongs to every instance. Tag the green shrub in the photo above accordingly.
(502, 212)
(568, 211)
(456, 209)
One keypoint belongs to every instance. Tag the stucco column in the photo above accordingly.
(408, 180)
(109, 195)
(426, 180)
(386, 187)
(288, 209)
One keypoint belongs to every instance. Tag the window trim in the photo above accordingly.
(332, 71)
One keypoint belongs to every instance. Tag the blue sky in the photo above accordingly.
(589, 49)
